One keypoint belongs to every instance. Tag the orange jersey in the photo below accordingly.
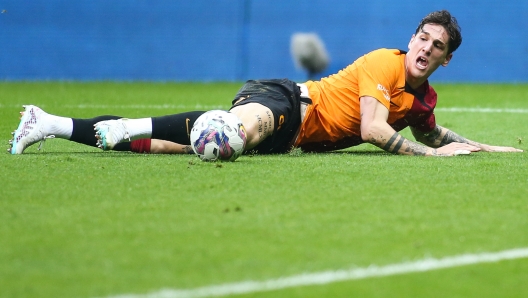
(333, 120)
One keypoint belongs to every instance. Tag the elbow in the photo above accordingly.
(365, 136)
(369, 132)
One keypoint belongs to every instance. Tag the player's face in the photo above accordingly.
(427, 51)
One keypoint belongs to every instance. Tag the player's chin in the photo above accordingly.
(419, 74)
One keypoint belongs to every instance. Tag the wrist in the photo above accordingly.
(431, 152)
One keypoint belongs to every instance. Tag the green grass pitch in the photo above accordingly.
(79, 222)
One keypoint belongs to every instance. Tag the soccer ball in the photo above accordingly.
(218, 135)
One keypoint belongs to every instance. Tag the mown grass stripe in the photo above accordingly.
(128, 107)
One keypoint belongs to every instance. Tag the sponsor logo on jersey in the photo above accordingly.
(385, 92)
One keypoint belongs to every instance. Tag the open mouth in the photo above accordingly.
(422, 62)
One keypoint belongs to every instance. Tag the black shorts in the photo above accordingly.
(283, 98)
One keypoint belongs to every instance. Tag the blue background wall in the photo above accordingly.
(235, 40)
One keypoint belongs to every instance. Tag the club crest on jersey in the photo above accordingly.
(385, 92)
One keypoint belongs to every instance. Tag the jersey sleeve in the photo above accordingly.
(378, 75)
(426, 124)
(423, 109)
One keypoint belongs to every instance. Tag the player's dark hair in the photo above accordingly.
(450, 24)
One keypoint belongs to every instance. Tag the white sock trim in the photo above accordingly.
(61, 127)
(139, 128)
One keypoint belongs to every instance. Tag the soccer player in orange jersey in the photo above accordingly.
(371, 100)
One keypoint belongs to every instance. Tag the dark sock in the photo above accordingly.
(83, 129)
(175, 128)
(125, 146)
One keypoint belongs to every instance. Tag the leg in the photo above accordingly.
(173, 128)
(166, 147)
(258, 121)
(270, 112)
(83, 129)
(266, 108)
(170, 134)
(37, 126)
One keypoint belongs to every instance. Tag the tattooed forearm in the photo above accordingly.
(451, 137)
(398, 144)
(416, 149)
(429, 138)
(440, 136)
(390, 142)
(188, 149)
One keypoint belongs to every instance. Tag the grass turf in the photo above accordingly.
(78, 222)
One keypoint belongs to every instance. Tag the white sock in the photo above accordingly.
(139, 128)
(60, 127)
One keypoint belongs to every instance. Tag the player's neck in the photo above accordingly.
(419, 88)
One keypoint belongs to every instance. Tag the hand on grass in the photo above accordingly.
(489, 148)
(455, 148)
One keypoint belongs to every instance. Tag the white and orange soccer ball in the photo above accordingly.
(218, 135)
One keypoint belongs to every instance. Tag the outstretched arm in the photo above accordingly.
(441, 136)
(376, 130)
(166, 147)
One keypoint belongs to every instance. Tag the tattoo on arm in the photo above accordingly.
(188, 149)
(416, 149)
(390, 142)
(398, 145)
(397, 141)
(451, 137)
(441, 136)
(429, 138)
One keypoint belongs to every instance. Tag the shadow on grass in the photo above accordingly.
(352, 153)
(361, 152)
(129, 153)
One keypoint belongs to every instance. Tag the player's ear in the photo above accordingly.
(410, 41)
(447, 59)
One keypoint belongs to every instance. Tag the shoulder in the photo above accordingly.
(385, 54)
(384, 66)
(384, 60)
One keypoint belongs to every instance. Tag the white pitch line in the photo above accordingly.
(481, 110)
(326, 277)
(132, 106)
